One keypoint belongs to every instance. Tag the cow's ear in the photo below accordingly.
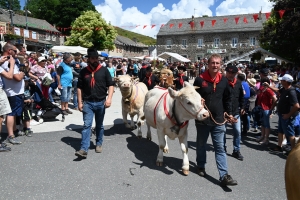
(173, 93)
(187, 84)
(136, 81)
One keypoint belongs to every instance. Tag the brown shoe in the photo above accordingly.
(98, 149)
(81, 153)
(69, 112)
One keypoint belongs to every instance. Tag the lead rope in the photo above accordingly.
(226, 117)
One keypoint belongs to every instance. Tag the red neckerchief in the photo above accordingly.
(181, 80)
(149, 79)
(232, 83)
(205, 75)
(144, 67)
(93, 72)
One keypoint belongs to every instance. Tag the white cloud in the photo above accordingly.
(233, 7)
(128, 19)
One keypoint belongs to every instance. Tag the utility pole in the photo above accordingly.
(11, 12)
(26, 10)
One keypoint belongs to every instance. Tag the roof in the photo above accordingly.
(20, 20)
(220, 26)
(126, 41)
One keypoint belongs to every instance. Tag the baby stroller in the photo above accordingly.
(45, 109)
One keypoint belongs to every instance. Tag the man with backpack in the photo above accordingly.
(287, 107)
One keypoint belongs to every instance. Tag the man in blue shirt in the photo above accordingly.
(245, 117)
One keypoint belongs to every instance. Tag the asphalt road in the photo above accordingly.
(45, 167)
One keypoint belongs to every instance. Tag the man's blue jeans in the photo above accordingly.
(217, 135)
(75, 101)
(89, 110)
(236, 134)
(50, 94)
(246, 122)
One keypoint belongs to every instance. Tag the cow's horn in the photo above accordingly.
(196, 87)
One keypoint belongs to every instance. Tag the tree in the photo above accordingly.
(59, 12)
(281, 36)
(91, 30)
(10, 4)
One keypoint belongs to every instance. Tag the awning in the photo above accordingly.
(176, 56)
(256, 50)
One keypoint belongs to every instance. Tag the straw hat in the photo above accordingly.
(252, 82)
(274, 78)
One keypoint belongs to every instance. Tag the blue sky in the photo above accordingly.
(129, 13)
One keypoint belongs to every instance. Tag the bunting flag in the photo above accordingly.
(162, 25)
(202, 24)
(268, 15)
(213, 22)
(171, 25)
(144, 26)
(281, 12)
(225, 20)
(137, 26)
(236, 20)
(153, 26)
(180, 25)
(255, 17)
(245, 20)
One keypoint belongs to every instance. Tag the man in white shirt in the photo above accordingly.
(14, 89)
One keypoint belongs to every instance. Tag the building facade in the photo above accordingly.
(197, 38)
(39, 35)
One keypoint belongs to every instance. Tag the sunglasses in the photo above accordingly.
(14, 50)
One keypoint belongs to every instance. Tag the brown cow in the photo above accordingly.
(292, 174)
(166, 78)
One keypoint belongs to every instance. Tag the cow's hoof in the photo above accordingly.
(185, 172)
(139, 137)
(127, 126)
(166, 150)
(159, 164)
(149, 138)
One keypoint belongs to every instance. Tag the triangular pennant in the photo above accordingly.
(171, 25)
(237, 20)
(225, 20)
(245, 20)
(180, 25)
(202, 24)
(213, 22)
(137, 26)
(161, 25)
(281, 12)
(144, 26)
(255, 17)
(268, 15)
(153, 26)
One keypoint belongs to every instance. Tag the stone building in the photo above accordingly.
(127, 48)
(197, 38)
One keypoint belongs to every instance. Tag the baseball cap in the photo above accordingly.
(40, 59)
(264, 71)
(287, 78)
(232, 69)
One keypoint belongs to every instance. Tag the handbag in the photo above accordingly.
(47, 80)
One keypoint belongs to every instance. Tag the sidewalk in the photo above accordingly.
(73, 121)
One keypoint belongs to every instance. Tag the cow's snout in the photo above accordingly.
(205, 115)
(126, 85)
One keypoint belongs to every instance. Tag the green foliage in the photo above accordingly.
(91, 30)
(140, 38)
(59, 12)
(281, 36)
(10, 4)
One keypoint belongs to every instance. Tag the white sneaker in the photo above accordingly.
(34, 123)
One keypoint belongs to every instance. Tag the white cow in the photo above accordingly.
(133, 97)
(168, 111)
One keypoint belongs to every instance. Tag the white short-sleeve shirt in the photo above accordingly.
(12, 87)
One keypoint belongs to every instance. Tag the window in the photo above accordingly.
(168, 43)
(53, 37)
(234, 42)
(216, 42)
(184, 45)
(200, 43)
(48, 36)
(252, 41)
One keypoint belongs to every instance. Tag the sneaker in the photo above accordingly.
(286, 148)
(201, 172)
(238, 155)
(276, 149)
(98, 149)
(4, 148)
(13, 140)
(28, 133)
(69, 111)
(64, 112)
(81, 153)
(34, 123)
(228, 181)
(255, 130)
(19, 133)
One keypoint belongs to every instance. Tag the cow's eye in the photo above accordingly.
(189, 103)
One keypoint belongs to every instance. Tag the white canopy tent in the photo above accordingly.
(254, 51)
(176, 56)
(154, 58)
(73, 49)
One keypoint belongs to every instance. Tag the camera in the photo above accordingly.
(8, 57)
